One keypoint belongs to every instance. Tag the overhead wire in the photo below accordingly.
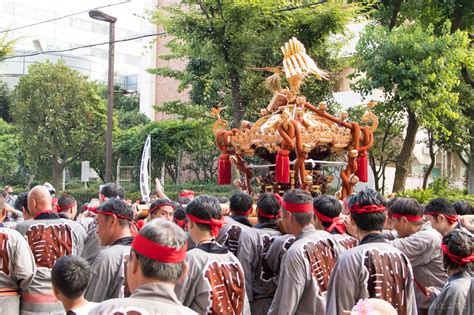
(63, 17)
(83, 46)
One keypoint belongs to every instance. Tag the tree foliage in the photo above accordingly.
(60, 117)
(179, 145)
(418, 71)
(224, 40)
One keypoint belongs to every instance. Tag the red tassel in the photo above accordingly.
(362, 169)
(224, 174)
(282, 167)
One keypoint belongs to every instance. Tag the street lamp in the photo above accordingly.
(101, 16)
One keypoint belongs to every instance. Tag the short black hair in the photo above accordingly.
(206, 208)
(119, 207)
(22, 201)
(113, 190)
(368, 221)
(240, 203)
(328, 206)
(184, 200)
(179, 213)
(463, 207)
(298, 196)
(66, 200)
(461, 244)
(71, 275)
(406, 206)
(157, 204)
(222, 199)
(268, 204)
(441, 206)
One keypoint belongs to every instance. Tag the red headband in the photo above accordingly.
(336, 222)
(162, 205)
(410, 218)
(114, 214)
(450, 218)
(92, 209)
(186, 194)
(266, 215)
(158, 252)
(215, 224)
(246, 213)
(367, 208)
(180, 223)
(457, 259)
(297, 207)
(60, 209)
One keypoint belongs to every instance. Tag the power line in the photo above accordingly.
(84, 46)
(63, 17)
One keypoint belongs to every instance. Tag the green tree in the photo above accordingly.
(126, 108)
(60, 117)
(223, 40)
(418, 71)
(178, 144)
(5, 102)
(391, 13)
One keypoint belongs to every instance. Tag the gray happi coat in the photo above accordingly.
(253, 246)
(452, 300)
(304, 275)
(215, 282)
(277, 250)
(148, 299)
(17, 268)
(108, 272)
(423, 249)
(229, 234)
(49, 238)
(371, 270)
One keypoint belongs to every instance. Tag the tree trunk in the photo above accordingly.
(238, 109)
(470, 174)
(427, 173)
(404, 159)
(57, 174)
(395, 10)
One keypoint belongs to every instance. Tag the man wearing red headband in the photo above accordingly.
(326, 217)
(442, 215)
(308, 264)
(67, 207)
(373, 269)
(253, 247)
(155, 264)
(92, 243)
(49, 238)
(162, 208)
(241, 206)
(114, 220)
(458, 256)
(421, 244)
(17, 265)
(215, 283)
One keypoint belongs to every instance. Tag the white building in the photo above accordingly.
(132, 58)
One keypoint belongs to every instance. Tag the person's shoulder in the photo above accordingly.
(139, 307)
(10, 232)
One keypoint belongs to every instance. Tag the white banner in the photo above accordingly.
(85, 172)
(144, 176)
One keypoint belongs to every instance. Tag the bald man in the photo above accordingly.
(49, 237)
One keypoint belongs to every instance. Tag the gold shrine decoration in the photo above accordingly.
(292, 126)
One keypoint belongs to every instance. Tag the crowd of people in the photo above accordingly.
(290, 254)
